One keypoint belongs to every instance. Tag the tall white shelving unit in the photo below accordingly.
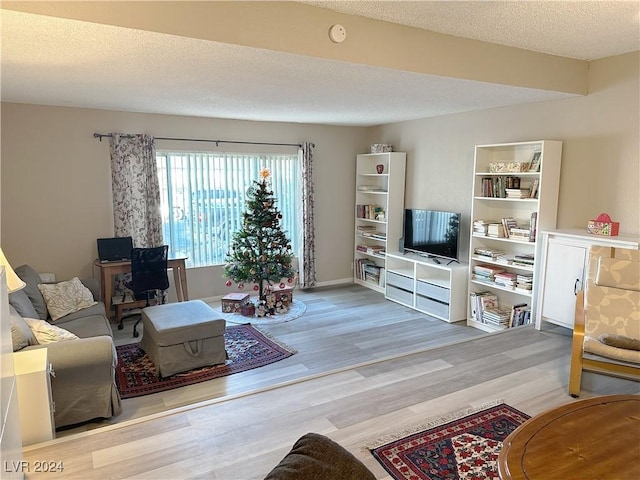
(491, 208)
(379, 210)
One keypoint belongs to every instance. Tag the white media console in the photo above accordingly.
(439, 290)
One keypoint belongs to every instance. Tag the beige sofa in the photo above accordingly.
(84, 385)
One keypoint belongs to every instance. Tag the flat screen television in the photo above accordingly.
(432, 233)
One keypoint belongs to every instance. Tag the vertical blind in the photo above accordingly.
(203, 197)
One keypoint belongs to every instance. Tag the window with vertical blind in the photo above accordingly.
(203, 199)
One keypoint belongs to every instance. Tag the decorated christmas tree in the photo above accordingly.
(260, 251)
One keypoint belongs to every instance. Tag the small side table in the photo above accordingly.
(33, 379)
(588, 439)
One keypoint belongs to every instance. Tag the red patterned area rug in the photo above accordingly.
(247, 348)
(464, 446)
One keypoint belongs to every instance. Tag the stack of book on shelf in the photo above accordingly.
(485, 273)
(371, 188)
(524, 282)
(374, 234)
(520, 315)
(495, 230)
(371, 249)
(368, 211)
(479, 302)
(480, 226)
(524, 259)
(517, 192)
(521, 234)
(505, 280)
(368, 271)
(366, 228)
(499, 317)
(504, 259)
(488, 253)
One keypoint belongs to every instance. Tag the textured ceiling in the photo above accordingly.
(584, 29)
(56, 61)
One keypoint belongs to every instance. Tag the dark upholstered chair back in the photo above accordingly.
(149, 269)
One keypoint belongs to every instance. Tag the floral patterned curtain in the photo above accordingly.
(136, 191)
(307, 257)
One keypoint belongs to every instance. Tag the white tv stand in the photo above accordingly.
(439, 290)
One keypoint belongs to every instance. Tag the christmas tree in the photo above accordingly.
(260, 251)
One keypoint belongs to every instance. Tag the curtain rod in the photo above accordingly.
(217, 142)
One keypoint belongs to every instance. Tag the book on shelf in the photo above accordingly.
(487, 272)
(497, 316)
(374, 234)
(370, 188)
(524, 259)
(508, 223)
(517, 192)
(481, 227)
(504, 259)
(533, 190)
(371, 249)
(488, 253)
(495, 230)
(520, 315)
(370, 272)
(369, 212)
(524, 283)
(533, 227)
(520, 234)
(505, 279)
(479, 302)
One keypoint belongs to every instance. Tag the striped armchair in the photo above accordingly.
(606, 335)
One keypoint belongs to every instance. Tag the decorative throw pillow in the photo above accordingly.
(47, 333)
(67, 297)
(21, 334)
(620, 341)
(29, 276)
(20, 301)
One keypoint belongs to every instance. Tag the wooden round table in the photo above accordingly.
(596, 438)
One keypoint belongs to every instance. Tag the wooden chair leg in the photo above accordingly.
(575, 369)
(119, 316)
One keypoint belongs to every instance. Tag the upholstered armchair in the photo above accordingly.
(606, 335)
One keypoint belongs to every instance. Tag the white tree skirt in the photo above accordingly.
(296, 309)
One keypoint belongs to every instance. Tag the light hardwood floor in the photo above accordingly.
(342, 326)
(244, 431)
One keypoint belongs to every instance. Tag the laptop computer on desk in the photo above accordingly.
(115, 249)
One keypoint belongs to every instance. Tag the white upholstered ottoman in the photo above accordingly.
(183, 336)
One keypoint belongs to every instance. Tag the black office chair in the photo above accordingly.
(148, 276)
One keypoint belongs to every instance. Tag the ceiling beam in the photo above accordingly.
(302, 29)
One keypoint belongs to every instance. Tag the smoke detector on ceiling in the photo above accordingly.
(337, 33)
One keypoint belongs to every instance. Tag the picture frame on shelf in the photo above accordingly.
(534, 163)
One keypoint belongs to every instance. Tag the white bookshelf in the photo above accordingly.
(491, 208)
(379, 210)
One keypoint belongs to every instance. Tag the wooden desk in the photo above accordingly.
(596, 438)
(108, 270)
